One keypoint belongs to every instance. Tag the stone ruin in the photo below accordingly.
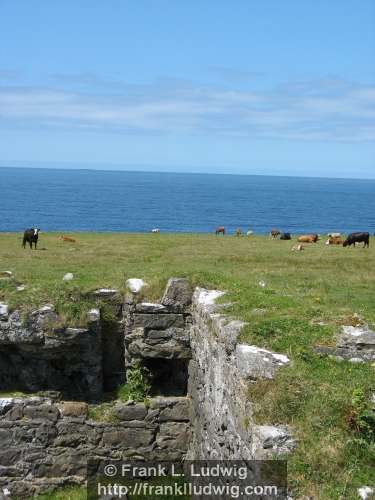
(198, 406)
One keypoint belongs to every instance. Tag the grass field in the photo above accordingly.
(305, 298)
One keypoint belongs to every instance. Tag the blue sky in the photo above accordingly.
(241, 86)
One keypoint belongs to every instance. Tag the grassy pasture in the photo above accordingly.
(290, 301)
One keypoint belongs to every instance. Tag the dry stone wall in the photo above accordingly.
(220, 372)
(46, 444)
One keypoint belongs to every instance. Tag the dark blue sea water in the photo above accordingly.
(91, 200)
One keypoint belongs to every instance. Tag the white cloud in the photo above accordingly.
(325, 110)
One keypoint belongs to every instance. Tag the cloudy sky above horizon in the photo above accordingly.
(255, 87)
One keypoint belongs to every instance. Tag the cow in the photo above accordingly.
(238, 232)
(308, 238)
(274, 233)
(67, 239)
(354, 238)
(30, 236)
(334, 235)
(285, 236)
(220, 230)
(155, 230)
(334, 240)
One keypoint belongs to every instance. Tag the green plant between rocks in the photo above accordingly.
(137, 386)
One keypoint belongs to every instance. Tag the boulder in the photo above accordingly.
(6, 274)
(269, 440)
(149, 308)
(93, 315)
(256, 363)
(135, 285)
(178, 294)
(4, 311)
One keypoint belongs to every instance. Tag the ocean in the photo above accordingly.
(93, 200)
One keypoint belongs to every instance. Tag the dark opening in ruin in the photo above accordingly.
(112, 355)
(28, 372)
(169, 377)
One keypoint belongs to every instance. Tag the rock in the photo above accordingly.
(4, 311)
(206, 299)
(93, 315)
(127, 438)
(73, 409)
(135, 285)
(269, 440)
(355, 343)
(173, 434)
(177, 408)
(42, 411)
(178, 293)
(256, 363)
(6, 274)
(171, 343)
(130, 412)
(20, 288)
(159, 321)
(7, 404)
(365, 492)
(105, 292)
(68, 277)
(356, 337)
(149, 308)
(44, 317)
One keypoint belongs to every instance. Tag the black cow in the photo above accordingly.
(30, 236)
(354, 238)
(285, 236)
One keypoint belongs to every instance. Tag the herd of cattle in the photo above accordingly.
(31, 236)
(333, 238)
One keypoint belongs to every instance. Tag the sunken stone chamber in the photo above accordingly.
(36, 355)
(198, 406)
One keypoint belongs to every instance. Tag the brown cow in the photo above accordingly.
(274, 233)
(308, 238)
(220, 230)
(334, 240)
(67, 238)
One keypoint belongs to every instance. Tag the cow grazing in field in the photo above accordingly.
(354, 238)
(155, 230)
(68, 239)
(334, 235)
(285, 236)
(274, 233)
(238, 232)
(30, 236)
(298, 248)
(220, 230)
(334, 240)
(308, 238)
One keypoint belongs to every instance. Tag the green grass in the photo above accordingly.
(307, 297)
(68, 493)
